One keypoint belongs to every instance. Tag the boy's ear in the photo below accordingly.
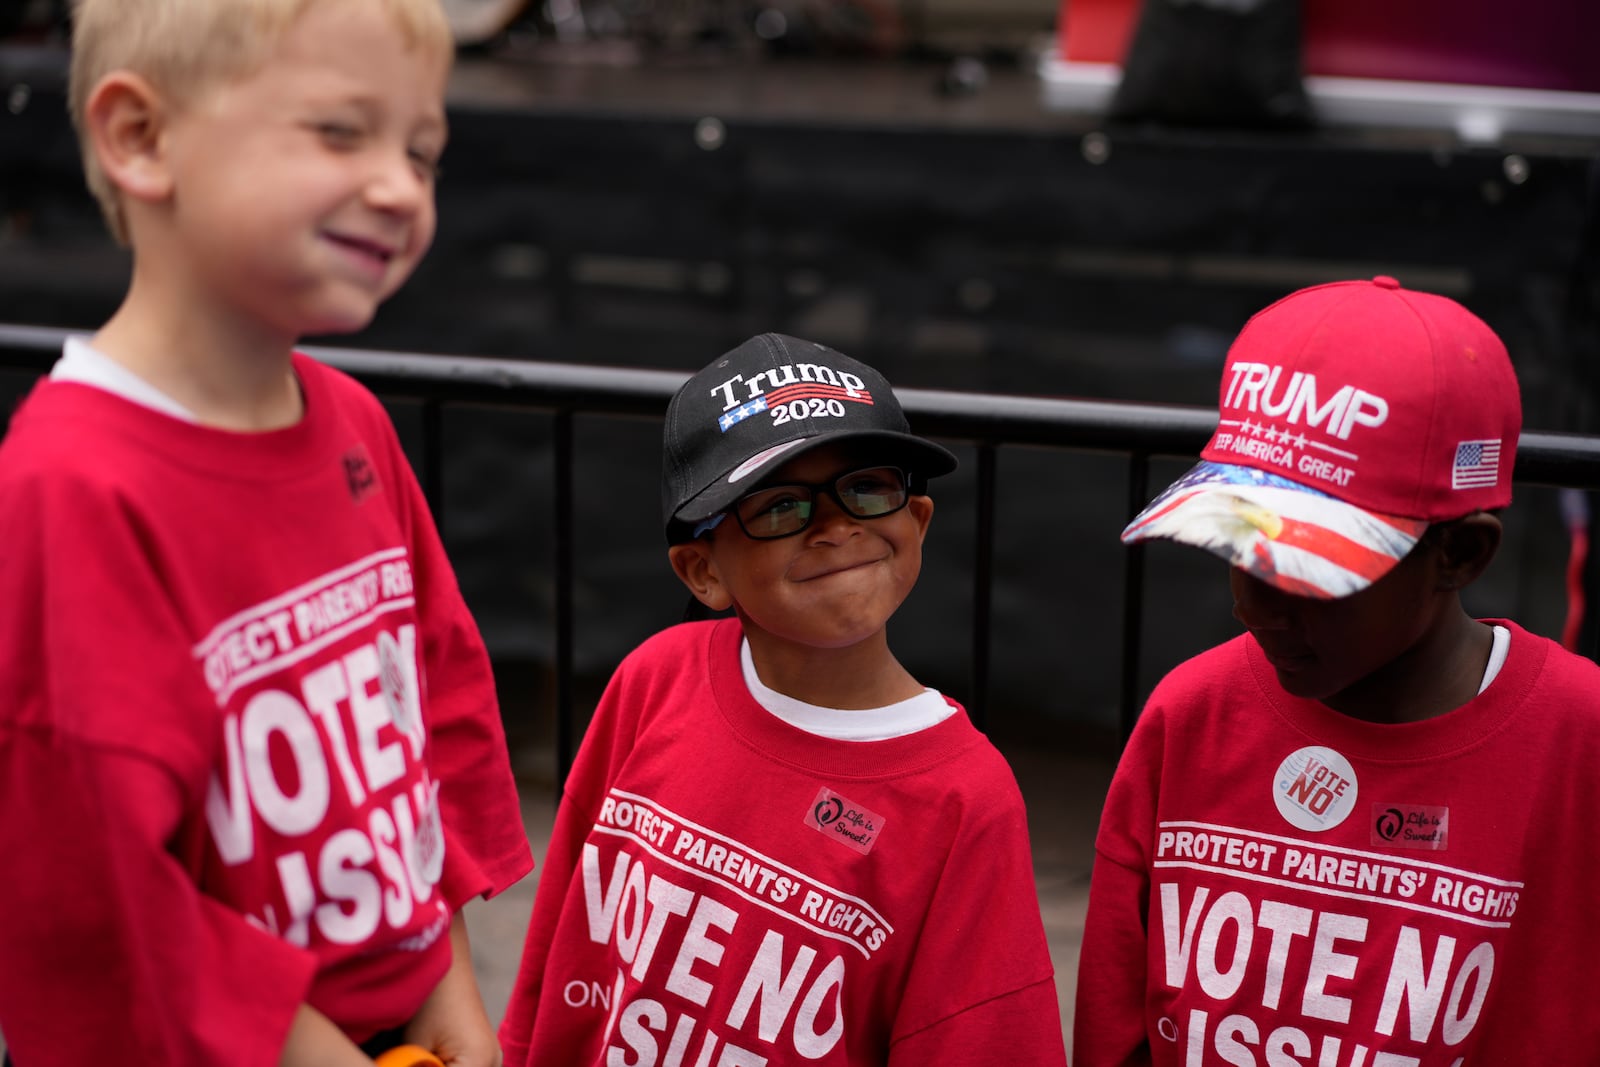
(1466, 547)
(692, 563)
(920, 505)
(126, 119)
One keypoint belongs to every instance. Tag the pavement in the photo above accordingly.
(1063, 791)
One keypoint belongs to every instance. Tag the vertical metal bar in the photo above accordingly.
(1132, 602)
(562, 562)
(1589, 580)
(983, 586)
(432, 473)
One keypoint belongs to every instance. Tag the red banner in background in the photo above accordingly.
(1544, 44)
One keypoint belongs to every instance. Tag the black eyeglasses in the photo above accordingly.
(783, 510)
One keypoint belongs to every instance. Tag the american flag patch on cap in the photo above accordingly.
(1477, 465)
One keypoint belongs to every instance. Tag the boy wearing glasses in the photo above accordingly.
(776, 846)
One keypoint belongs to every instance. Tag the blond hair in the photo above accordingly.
(181, 46)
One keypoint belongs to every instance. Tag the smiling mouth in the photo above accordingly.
(841, 569)
(372, 251)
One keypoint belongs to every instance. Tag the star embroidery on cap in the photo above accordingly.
(739, 414)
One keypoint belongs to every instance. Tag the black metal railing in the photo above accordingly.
(1142, 432)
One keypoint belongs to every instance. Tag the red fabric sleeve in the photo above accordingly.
(111, 952)
(1005, 1030)
(982, 956)
(1108, 1020)
(557, 868)
(610, 732)
(486, 843)
(113, 955)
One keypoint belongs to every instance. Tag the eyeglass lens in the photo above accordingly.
(781, 510)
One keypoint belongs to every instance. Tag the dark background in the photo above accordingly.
(925, 211)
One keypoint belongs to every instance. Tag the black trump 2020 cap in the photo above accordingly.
(766, 401)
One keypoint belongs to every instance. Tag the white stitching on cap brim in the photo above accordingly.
(760, 459)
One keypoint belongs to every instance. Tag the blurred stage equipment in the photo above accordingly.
(1215, 63)
(1480, 71)
(869, 27)
(476, 22)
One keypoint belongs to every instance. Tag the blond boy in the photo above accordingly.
(249, 743)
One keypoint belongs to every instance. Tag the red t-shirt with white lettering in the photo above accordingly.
(250, 753)
(723, 888)
(1276, 883)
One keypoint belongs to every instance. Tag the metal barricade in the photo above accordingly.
(990, 422)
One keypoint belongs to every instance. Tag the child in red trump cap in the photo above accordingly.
(1358, 832)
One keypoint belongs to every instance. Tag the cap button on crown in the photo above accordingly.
(1383, 281)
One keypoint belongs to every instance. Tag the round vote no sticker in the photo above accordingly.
(1315, 788)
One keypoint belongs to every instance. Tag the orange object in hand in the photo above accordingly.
(408, 1056)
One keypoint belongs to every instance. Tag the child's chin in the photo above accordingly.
(339, 322)
(1298, 678)
(1303, 685)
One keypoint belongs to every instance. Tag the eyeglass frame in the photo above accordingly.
(910, 487)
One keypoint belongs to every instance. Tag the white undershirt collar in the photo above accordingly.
(81, 362)
(1497, 656)
(908, 716)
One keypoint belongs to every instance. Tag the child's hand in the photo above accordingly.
(458, 1046)
(452, 1023)
(408, 1056)
(314, 1041)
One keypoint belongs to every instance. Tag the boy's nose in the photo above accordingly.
(829, 521)
(396, 186)
(1256, 604)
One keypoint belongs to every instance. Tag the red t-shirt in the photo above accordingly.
(724, 888)
(250, 753)
(1276, 883)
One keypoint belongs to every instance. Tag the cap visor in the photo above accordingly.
(1286, 534)
(915, 454)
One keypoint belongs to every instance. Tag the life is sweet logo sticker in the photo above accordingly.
(1315, 788)
(1421, 826)
(849, 824)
